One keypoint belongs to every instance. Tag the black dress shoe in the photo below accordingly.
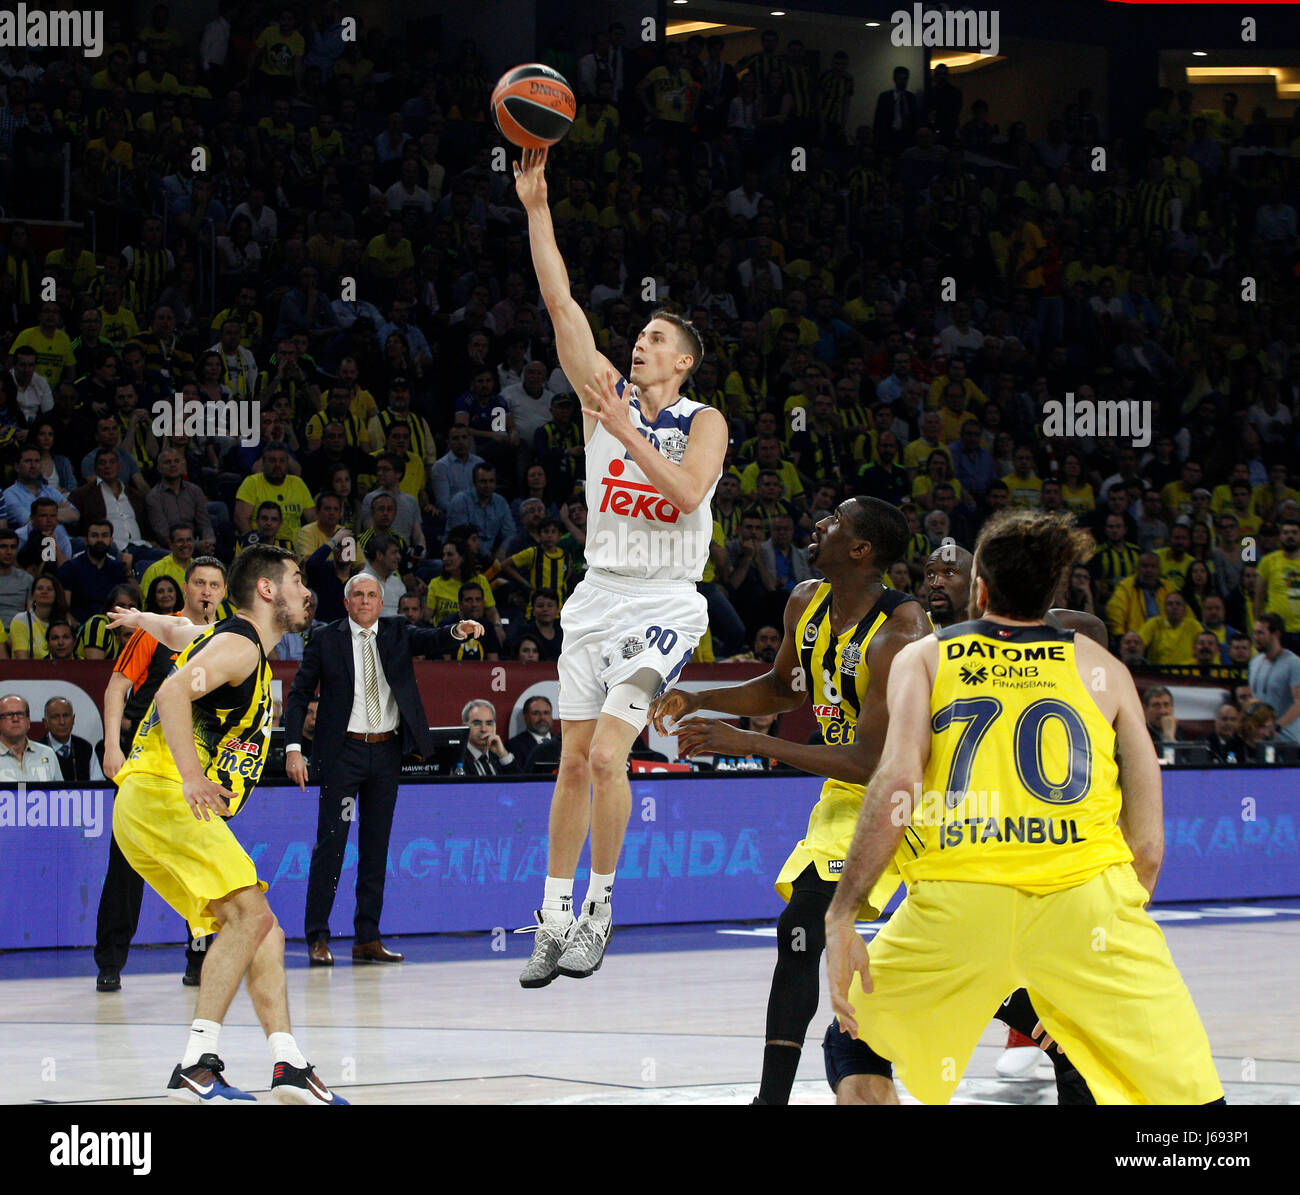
(193, 972)
(109, 981)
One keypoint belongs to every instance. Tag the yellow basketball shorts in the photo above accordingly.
(187, 861)
(1096, 967)
(825, 845)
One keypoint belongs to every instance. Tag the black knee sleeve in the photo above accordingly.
(1018, 1013)
(796, 981)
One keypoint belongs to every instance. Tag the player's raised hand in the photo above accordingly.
(609, 408)
(675, 704)
(530, 178)
(846, 954)
(203, 795)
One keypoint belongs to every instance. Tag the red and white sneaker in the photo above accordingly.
(1021, 1057)
(300, 1085)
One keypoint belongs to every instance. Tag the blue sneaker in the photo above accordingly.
(202, 1084)
(300, 1085)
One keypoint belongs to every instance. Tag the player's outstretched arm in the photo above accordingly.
(775, 692)
(574, 342)
(228, 659)
(175, 630)
(1141, 818)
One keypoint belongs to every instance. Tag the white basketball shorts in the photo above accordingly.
(616, 626)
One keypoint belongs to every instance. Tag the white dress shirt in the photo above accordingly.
(119, 511)
(358, 721)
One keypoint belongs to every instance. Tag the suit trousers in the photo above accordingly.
(362, 787)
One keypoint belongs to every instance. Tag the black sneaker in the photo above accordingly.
(109, 980)
(202, 1084)
(299, 1085)
(192, 973)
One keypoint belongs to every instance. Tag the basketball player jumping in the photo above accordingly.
(653, 458)
(1029, 882)
(855, 1072)
(199, 751)
(841, 637)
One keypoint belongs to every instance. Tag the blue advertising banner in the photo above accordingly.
(471, 856)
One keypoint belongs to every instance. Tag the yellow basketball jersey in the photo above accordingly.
(1022, 787)
(231, 724)
(836, 665)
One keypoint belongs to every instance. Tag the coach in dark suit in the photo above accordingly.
(897, 114)
(369, 716)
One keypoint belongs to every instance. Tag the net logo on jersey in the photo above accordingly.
(634, 499)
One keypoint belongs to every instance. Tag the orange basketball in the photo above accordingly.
(533, 106)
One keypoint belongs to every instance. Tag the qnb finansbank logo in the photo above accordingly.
(952, 28)
(1119, 419)
(26, 808)
(34, 28)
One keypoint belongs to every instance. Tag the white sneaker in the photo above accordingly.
(586, 949)
(553, 931)
(1019, 1060)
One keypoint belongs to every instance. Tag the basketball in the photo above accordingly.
(533, 106)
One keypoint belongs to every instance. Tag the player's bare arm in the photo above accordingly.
(685, 485)
(883, 817)
(852, 762)
(228, 659)
(1141, 818)
(174, 630)
(775, 692)
(574, 342)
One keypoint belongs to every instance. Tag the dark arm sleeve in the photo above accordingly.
(431, 641)
(302, 690)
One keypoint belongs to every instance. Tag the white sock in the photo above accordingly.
(202, 1040)
(558, 898)
(599, 888)
(285, 1049)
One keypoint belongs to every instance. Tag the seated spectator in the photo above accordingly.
(767, 642)
(383, 556)
(61, 640)
(1275, 675)
(22, 760)
(42, 541)
(528, 744)
(1171, 637)
(1137, 599)
(294, 643)
(528, 650)
(1239, 651)
(1132, 651)
(329, 568)
(470, 605)
(15, 582)
(1158, 706)
(175, 500)
(484, 508)
(76, 755)
(1258, 729)
(484, 753)
(163, 596)
(544, 625)
(181, 542)
(1224, 742)
(27, 631)
(95, 640)
(1206, 653)
(16, 502)
(268, 529)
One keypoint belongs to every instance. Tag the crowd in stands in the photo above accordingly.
(890, 319)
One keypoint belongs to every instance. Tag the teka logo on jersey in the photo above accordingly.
(634, 499)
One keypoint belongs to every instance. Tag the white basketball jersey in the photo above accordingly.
(632, 529)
